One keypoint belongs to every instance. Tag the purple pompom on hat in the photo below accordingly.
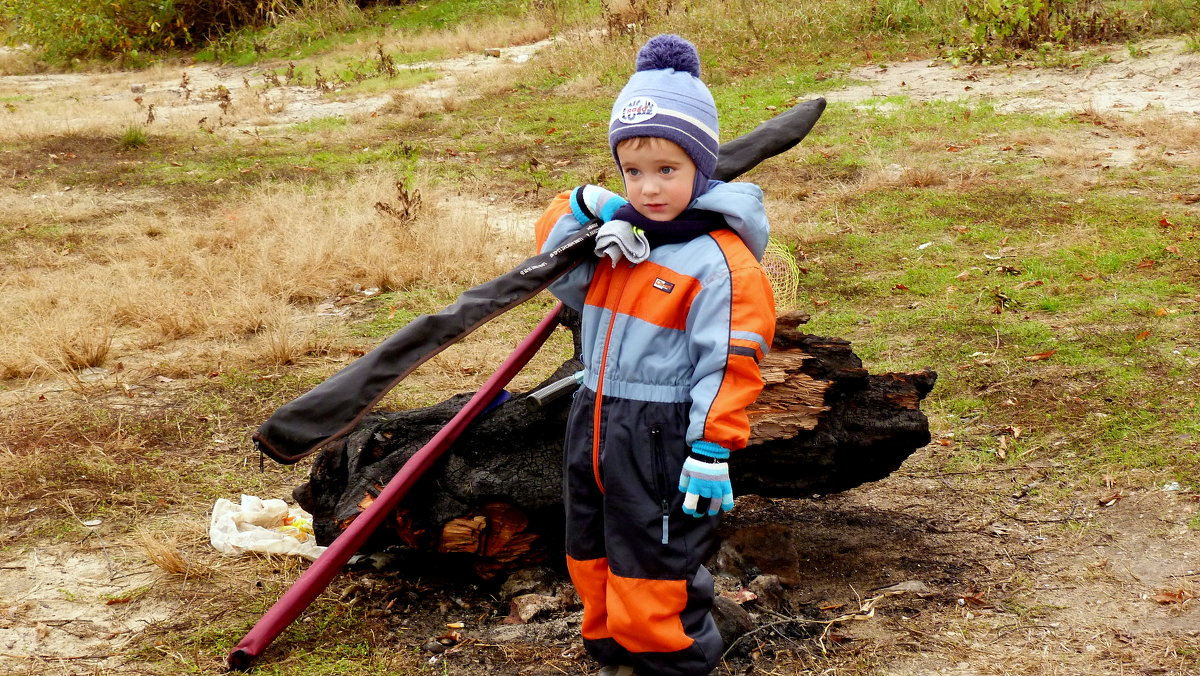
(665, 98)
(669, 51)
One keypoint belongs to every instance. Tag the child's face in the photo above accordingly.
(659, 177)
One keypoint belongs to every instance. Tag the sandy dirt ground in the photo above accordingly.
(1103, 584)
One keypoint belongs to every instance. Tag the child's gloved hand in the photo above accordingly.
(706, 475)
(592, 201)
(618, 240)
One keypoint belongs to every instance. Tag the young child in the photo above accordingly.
(673, 329)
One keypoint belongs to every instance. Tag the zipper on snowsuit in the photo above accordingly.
(660, 479)
(598, 405)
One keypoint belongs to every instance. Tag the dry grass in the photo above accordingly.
(247, 275)
(1161, 134)
(917, 175)
(472, 37)
(97, 105)
(17, 61)
(405, 107)
(164, 551)
(170, 100)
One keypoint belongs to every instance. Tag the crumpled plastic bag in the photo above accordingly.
(267, 526)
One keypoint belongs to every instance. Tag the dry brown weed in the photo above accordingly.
(163, 551)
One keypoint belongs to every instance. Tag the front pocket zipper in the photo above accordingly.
(660, 479)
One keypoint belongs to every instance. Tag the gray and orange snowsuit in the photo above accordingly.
(671, 348)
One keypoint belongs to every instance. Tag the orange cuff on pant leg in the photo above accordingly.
(591, 581)
(644, 615)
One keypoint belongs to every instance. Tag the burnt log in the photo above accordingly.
(822, 424)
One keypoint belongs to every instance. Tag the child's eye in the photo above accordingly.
(632, 172)
(666, 170)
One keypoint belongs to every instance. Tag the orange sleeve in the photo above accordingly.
(558, 207)
(753, 312)
(750, 330)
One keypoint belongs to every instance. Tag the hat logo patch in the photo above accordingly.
(638, 109)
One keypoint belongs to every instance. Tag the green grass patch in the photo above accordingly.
(404, 79)
(133, 137)
(321, 124)
(299, 160)
(432, 16)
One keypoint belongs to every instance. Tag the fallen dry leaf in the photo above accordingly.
(739, 596)
(1041, 355)
(1142, 336)
(1110, 500)
(1177, 596)
(1164, 223)
(1147, 263)
(975, 600)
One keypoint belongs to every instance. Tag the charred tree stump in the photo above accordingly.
(822, 424)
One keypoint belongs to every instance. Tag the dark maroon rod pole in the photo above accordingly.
(318, 576)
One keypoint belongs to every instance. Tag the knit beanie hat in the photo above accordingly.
(666, 99)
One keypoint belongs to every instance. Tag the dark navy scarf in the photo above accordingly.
(686, 226)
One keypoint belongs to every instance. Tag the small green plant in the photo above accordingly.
(133, 137)
(1192, 43)
(1001, 29)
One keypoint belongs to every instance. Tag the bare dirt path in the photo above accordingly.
(1161, 75)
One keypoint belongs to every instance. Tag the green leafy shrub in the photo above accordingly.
(307, 28)
(70, 29)
(999, 29)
